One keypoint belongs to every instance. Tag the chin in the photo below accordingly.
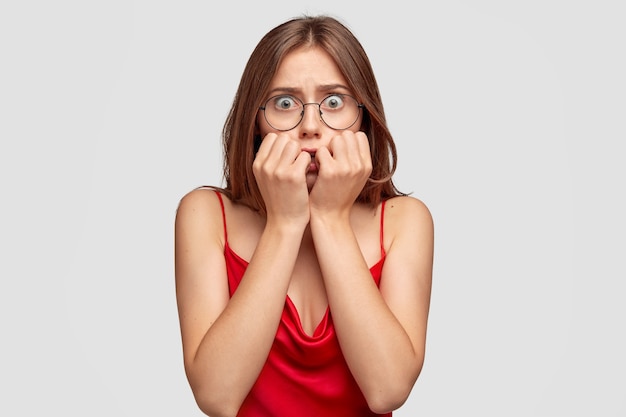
(310, 181)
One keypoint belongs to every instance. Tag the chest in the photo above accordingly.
(307, 292)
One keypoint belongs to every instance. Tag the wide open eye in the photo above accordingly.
(285, 103)
(333, 102)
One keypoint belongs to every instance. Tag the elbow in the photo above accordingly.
(214, 401)
(393, 394)
(386, 401)
(215, 407)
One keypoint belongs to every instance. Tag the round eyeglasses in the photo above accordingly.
(337, 111)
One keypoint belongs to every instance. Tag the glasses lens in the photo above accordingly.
(285, 112)
(339, 111)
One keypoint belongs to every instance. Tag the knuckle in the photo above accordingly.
(285, 175)
(257, 166)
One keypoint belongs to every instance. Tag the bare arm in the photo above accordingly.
(382, 332)
(226, 341)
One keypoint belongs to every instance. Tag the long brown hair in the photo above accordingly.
(240, 126)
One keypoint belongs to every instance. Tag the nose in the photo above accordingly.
(311, 121)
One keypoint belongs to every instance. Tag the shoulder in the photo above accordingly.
(199, 210)
(407, 218)
(201, 197)
(198, 202)
(407, 208)
(212, 199)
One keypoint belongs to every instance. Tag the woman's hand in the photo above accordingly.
(344, 167)
(280, 171)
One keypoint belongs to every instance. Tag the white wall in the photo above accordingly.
(509, 119)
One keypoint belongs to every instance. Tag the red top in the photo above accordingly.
(303, 375)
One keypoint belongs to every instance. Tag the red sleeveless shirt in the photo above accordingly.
(304, 375)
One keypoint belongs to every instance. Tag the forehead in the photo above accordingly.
(307, 68)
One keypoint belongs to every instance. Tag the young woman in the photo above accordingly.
(303, 285)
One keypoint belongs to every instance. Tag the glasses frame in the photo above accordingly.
(360, 106)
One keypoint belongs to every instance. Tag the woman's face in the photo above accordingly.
(309, 75)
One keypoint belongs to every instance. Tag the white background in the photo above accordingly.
(510, 123)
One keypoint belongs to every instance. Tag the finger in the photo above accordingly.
(275, 153)
(337, 147)
(302, 162)
(345, 149)
(323, 156)
(266, 145)
(290, 151)
(364, 149)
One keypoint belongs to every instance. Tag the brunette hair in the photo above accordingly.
(240, 127)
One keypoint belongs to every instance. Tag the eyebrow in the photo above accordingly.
(294, 90)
